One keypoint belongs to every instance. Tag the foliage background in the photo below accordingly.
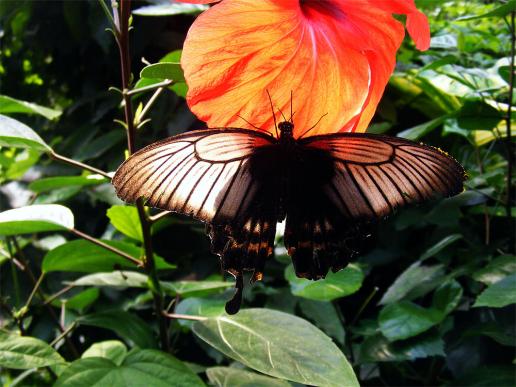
(429, 302)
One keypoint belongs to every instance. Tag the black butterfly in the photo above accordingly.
(242, 182)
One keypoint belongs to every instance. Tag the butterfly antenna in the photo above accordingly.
(254, 126)
(319, 120)
(273, 116)
(283, 115)
(291, 112)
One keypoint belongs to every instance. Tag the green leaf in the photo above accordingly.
(497, 269)
(80, 301)
(167, 8)
(113, 350)
(414, 277)
(439, 246)
(501, 11)
(335, 285)
(405, 319)
(416, 132)
(204, 307)
(11, 105)
(478, 115)
(164, 70)
(116, 279)
(22, 353)
(325, 316)
(85, 257)
(194, 288)
(378, 349)
(234, 377)
(283, 346)
(126, 220)
(36, 218)
(140, 368)
(15, 134)
(499, 294)
(50, 183)
(126, 325)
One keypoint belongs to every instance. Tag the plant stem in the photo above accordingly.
(364, 305)
(165, 83)
(158, 216)
(184, 316)
(78, 164)
(510, 158)
(107, 247)
(148, 259)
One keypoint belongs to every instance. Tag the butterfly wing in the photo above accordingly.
(226, 178)
(362, 177)
(204, 174)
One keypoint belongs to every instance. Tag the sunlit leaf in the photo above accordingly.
(113, 350)
(11, 105)
(164, 70)
(204, 307)
(500, 11)
(343, 283)
(116, 279)
(195, 288)
(169, 8)
(36, 218)
(15, 134)
(126, 220)
(20, 352)
(140, 368)
(283, 346)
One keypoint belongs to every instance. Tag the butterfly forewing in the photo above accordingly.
(204, 174)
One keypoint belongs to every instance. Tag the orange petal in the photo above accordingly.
(335, 56)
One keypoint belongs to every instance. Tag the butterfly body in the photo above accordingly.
(243, 182)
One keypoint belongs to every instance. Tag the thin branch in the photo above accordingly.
(109, 16)
(34, 290)
(149, 104)
(165, 83)
(158, 216)
(63, 334)
(78, 164)
(510, 154)
(107, 247)
(59, 293)
(364, 305)
(184, 316)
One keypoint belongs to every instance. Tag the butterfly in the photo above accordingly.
(242, 182)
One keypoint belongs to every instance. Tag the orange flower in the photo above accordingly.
(336, 56)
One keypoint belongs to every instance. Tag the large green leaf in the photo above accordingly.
(499, 294)
(20, 352)
(85, 257)
(195, 306)
(36, 218)
(140, 368)
(50, 183)
(126, 220)
(11, 105)
(15, 134)
(325, 316)
(126, 325)
(234, 377)
(164, 70)
(343, 283)
(282, 345)
(113, 350)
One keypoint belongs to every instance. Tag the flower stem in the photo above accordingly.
(124, 10)
(78, 164)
